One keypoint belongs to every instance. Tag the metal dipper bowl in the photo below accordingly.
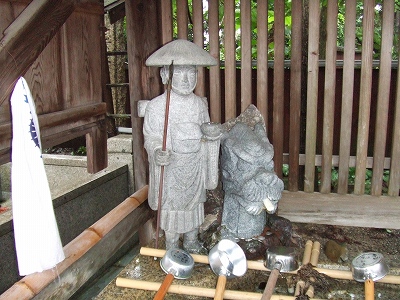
(369, 267)
(278, 259)
(227, 260)
(177, 263)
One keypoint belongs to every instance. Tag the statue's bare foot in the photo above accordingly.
(194, 247)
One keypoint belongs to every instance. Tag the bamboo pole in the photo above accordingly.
(259, 265)
(194, 291)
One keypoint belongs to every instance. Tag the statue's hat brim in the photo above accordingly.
(181, 52)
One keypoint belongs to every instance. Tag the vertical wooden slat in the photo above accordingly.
(96, 149)
(312, 95)
(365, 96)
(230, 60)
(198, 39)
(347, 96)
(329, 96)
(215, 77)
(262, 59)
(394, 180)
(245, 36)
(182, 18)
(166, 21)
(295, 95)
(278, 106)
(385, 70)
(140, 24)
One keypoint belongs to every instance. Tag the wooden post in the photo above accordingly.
(144, 82)
(96, 148)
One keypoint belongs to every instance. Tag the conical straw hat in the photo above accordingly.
(181, 52)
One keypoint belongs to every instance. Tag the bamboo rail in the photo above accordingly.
(259, 265)
(195, 291)
(32, 285)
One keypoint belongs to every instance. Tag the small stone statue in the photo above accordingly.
(249, 181)
(192, 145)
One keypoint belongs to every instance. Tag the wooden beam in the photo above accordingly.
(336, 161)
(344, 210)
(65, 119)
(27, 36)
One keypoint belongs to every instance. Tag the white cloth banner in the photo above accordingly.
(37, 240)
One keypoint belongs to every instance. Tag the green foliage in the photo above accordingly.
(351, 178)
(285, 170)
(81, 151)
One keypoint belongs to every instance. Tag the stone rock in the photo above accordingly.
(249, 181)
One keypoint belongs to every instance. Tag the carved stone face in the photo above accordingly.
(184, 79)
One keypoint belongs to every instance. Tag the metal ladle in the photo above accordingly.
(369, 267)
(278, 259)
(177, 263)
(227, 260)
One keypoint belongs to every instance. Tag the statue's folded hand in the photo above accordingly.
(211, 131)
(161, 157)
(255, 208)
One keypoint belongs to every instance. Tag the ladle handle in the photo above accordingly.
(369, 289)
(220, 288)
(269, 288)
(162, 291)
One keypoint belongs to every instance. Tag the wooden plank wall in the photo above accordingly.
(66, 77)
(222, 33)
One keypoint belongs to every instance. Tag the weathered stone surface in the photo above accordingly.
(249, 181)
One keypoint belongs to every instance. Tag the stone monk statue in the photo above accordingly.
(192, 145)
